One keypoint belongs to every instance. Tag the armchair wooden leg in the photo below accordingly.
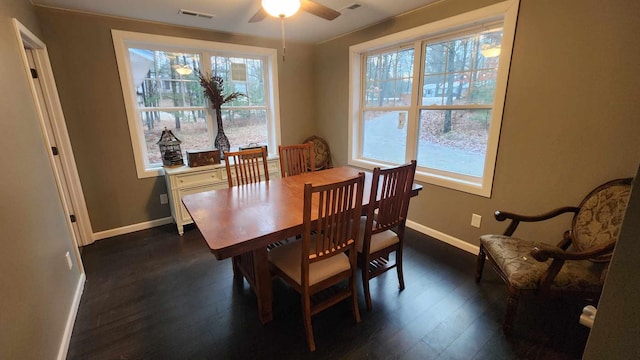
(512, 308)
(480, 264)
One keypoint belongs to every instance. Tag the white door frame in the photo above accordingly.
(51, 117)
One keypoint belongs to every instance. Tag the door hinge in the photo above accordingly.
(72, 218)
(34, 73)
(54, 150)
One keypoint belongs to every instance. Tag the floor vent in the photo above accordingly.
(196, 14)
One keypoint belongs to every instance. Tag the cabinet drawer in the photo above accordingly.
(199, 178)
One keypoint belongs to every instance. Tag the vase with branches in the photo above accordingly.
(213, 89)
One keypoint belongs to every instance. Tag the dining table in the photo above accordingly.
(241, 222)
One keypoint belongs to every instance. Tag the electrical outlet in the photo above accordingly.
(163, 199)
(69, 262)
(475, 220)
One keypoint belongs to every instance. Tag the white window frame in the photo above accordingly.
(123, 40)
(505, 12)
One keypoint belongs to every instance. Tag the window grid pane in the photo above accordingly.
(245, 75)
(385, 135)
(454, 140)
(190, 126)
(389, 78)
(461, 71)
(244, 127)
(166, 79)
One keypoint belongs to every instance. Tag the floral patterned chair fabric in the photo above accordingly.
(513, 257)
(321, 151)
(575, 266)
(600, 218)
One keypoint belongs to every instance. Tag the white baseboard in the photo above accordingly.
(71, 319)
(453, 241)
(131, 228)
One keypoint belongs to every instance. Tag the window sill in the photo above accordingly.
(159, 171)
(453, 183)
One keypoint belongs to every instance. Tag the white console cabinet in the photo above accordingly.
(184, 180)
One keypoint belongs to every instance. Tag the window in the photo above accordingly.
(435, 94)
(159, 77)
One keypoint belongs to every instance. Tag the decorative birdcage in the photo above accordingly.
(170, 149)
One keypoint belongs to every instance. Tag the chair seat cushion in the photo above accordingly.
(513, 257)
(379, 241)
(288, 259)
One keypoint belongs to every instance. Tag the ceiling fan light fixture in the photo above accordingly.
(281, 8)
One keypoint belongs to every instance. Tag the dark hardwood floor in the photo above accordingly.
(156, 295)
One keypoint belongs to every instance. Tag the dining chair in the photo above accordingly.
(296, 159)
(325, 256)
(575, 267)
(246, 166)
(387, 211)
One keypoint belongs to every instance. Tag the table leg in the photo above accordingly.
(235, 262)
(254, 266)
(263, 285)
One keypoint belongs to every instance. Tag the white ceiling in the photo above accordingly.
(233, 15)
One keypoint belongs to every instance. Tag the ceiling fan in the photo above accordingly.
(286, 8)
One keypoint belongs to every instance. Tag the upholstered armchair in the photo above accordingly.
(576, 266)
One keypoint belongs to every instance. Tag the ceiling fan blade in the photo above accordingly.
(261, 14)
(318, 10)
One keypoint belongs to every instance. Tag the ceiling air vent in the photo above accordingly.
(351, 7)
(196, 14)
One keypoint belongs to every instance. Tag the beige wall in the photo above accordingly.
(83, 60)
(570, 119)
(36, 287)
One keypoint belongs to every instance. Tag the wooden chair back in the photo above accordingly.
(296, 159)
(383, 229)
(246, 166)
(390, 192)
(338, 207)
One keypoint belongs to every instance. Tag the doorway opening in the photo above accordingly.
(55, 136)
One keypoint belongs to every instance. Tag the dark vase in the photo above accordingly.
(221, 142)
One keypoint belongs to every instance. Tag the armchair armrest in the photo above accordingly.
(543, 253)
(515, 218)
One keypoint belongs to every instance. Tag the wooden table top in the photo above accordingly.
(243, 218)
